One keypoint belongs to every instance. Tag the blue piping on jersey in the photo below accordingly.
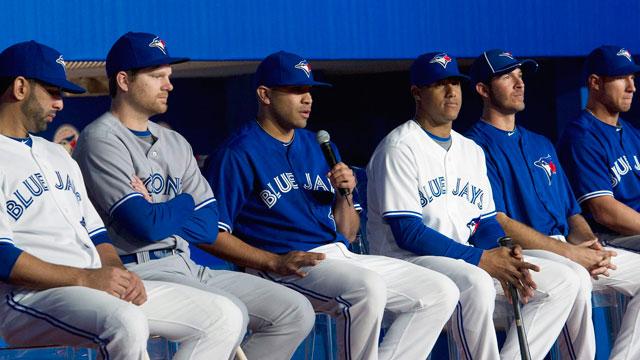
(121, 201)
(59, 324)
(7, 240)
(437, 138)
(594, 194)
(463, 337)
(97, 231)
(401, 213)
(224, 227)
(488, 215)
(205, 203)
(567, 340)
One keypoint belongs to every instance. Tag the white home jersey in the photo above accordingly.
(411, 175)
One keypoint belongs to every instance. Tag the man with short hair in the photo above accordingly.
(148, 188)
(430, 203)
(600, 152)
(279, 196)
(62, 280)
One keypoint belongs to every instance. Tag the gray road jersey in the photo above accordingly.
(109, 154)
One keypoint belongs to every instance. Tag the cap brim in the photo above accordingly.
(305, 83)
(65, 85)
(159, 62)
(625, 70)
(453, 76)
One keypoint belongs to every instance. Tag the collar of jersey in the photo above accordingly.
(26, 140)
(603, 124)
(143, 133)
(270, 139)
(484, 124)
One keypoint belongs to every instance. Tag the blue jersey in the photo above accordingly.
(272, 195)
(602, 160)
(528, 182)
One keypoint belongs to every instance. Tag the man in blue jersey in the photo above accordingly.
(601, 151)
(277, 193)
(152, 224)
(430, 203)
(536, 205)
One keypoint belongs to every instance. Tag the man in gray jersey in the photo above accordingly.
(152, 224)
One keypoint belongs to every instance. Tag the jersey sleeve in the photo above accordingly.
(488, 204)
(586, 167)
(231, 177)
(395, 179)
(92, 221)
(571, 205)
(9, 252)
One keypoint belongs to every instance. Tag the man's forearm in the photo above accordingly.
(231, 248)
(33, 273)
(346, 217)
(615, 215)
(109, 256)
(579, 230)
(529, 238)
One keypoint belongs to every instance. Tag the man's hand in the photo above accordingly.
(117, 282)
(507, 265)
(292, 262)
(138, 185)
(593, 257)
(342, 177)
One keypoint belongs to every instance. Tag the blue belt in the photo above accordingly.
(146, 256)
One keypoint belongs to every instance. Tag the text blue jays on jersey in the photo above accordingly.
(32, 188)
(437, 187)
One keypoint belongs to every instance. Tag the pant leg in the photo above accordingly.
(76, 316)
(577, 340)
(546, 313)
(421, 301)
(178, 269)
(206, 325)
(279, 318)
(356, 289)
(472, 322)
(626, 280)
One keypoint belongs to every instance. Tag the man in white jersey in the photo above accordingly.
(430, 203)
(63, 282)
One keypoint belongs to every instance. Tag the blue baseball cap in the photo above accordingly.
(135, 50)
(39, 62)
(285, 69)
(434, 66)
(609, 60)
(497, 62)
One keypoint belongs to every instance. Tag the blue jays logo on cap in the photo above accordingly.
(432, 67)
(546, 164)
(138, 51)
(285, 69)
(625, 53)
(304, 66)
(60, 61)
(442, 59)
(610, 60)
(158, 43)
(507, 54)
(497, 62)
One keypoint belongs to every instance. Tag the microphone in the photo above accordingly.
(323, 139)
(507, 242)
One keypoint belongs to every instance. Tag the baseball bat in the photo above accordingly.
(506, 241)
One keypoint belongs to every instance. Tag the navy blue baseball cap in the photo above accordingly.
(285, 69)
(434, 66)
(609, 60)
(135, 50)
(497, 62)
(33, 60)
